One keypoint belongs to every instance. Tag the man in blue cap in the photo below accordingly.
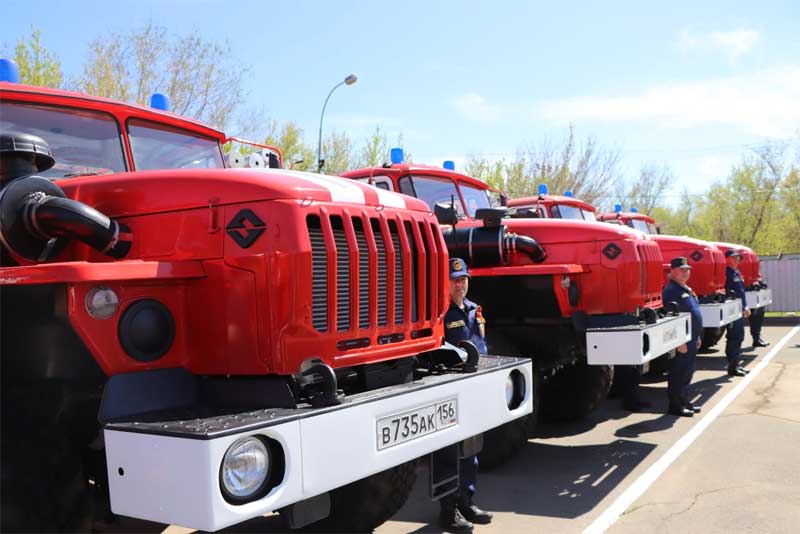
(734, 285)
(682, 365)
(463, 321)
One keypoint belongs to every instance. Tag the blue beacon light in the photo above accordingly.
(634, 210)
(396, 155)
(159, 101)
(542, 190)
(568, 194)
(449, 165)
(9, 72)
(617, 208)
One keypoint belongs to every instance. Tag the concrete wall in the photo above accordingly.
(783, 277)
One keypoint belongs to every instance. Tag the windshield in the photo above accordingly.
(431, 190)
(639, 224)
(474, 198)
(589, 215)
(156, 146)
(82, 142)
(565, 211)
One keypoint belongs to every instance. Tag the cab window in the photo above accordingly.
(157, 146)
(474, 198)
(83, 142)
(589, 215)
(565, 211)
(638, 224)
(432, 190)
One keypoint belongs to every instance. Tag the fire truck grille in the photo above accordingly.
(319, 275)
(651, 271)
(391, 264)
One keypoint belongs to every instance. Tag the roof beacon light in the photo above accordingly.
(617, 208)
(449, 165)
(159, 101)
(396, 155)
(542, 189)
(9, 72)
(569, 194)
(634, 210)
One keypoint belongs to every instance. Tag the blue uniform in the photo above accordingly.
(467, 323)
(682, 365)
(734, 285)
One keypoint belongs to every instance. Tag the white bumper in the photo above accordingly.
(759, 298)
(638, 344)
(175, 480)
(719, 314)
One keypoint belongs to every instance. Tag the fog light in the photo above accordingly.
(515, 389)
(101, 302)
(245, 469)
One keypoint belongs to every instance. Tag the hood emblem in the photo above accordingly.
(245, 228)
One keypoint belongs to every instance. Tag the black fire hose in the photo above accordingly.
(48, 217)
(35, 212)
(487, 247)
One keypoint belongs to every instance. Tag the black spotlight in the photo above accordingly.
(146, 330)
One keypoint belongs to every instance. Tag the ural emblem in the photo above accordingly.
(611, 251)
(696, 255)
(245, 228)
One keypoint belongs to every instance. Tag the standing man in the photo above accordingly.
(757, 318)
(682, 365)
(463, 321)
(735, 330)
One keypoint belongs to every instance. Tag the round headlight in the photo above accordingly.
(101, 302)
(245, 468)
(515, 389)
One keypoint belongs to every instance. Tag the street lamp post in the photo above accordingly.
(350, 80)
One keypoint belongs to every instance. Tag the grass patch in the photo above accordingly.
(781, 314)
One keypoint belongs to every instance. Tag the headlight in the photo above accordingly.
(101, 302)
(245, 468)
(515, 389)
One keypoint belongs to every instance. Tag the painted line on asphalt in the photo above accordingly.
(640, 485)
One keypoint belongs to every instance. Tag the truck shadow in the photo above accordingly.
(542, 480)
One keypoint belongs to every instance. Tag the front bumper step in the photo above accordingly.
(718, 314)
(759, 298)
(637, 344)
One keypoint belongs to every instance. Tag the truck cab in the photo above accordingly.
(587, 303)
(198, 345)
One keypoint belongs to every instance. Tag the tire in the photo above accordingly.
(711, 337)
(366, 504)
(500, 444)
(575, 391)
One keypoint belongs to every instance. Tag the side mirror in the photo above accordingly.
(445, 213)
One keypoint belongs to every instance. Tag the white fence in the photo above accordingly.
(783, 277)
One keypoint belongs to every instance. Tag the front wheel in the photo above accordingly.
(365, 504)
(575, 391)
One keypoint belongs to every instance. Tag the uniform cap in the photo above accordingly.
(680, 263)
(732, 252)
(457, 268)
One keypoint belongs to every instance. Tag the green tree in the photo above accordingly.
(297, 154)
(375, 150)
(37, 65)
(337, 152)
(201, 77)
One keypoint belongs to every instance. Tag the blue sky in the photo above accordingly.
(690, 84)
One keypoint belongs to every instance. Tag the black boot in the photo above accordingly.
(758, 341)
(472, 513)
(450, 518)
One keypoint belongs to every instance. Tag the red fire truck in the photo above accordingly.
(578, 297)
(708, 261)
(199, 345)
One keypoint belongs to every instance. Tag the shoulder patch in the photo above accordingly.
(455, 324)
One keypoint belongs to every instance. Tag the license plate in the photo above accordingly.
(670, 335)
(399, 428)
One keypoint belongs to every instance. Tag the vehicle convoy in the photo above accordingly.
(199, 345)
(708, 262)
(578, 297)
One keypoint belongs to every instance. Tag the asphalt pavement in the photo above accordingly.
(733, 468)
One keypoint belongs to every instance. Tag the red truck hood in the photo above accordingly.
(552, 231)
(144, 192)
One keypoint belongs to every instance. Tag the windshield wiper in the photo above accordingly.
(91, 173)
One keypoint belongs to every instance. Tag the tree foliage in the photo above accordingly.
(37, 65)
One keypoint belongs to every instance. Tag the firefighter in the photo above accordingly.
(735, 330)
(463, 321)
(757, 319)
(682, 365)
